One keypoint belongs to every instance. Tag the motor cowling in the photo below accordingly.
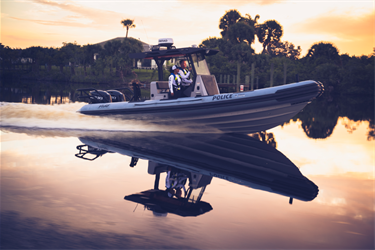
(100, 96)
(116, 96)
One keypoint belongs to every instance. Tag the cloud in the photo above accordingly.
(343, 27)
(268, 2)
(236, 2)
(54, 23)
(83, 16)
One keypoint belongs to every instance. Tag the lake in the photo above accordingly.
(67, 183)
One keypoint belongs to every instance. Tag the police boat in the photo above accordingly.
(203, 104)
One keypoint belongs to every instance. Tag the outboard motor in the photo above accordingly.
(116, 96)
(100, 96)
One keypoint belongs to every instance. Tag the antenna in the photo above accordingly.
(135, 208)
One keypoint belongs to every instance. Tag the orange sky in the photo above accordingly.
(350, 25)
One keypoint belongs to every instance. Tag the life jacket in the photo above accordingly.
(185, 71)
(176, 180)
(178, 83)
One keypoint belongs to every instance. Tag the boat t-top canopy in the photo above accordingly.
(168, 54)
(161, 55)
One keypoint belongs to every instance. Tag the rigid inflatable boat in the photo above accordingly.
(241, 112)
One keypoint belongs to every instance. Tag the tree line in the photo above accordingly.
(61, 63)
(280, 61)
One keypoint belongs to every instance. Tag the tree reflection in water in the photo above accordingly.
(320, 118)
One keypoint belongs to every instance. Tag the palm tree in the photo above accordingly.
(241, 32)
(128, 24)
(323, 49)
(252, 22)
(268, 33)
(231, 17)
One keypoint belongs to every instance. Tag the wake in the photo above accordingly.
(63, 117)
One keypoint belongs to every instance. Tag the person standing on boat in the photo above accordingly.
(174, 82)
(174, 182)
(185, 75)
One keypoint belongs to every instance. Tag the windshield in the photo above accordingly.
(200, 64)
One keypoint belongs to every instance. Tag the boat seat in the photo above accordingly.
(163, 86)
(159, 90)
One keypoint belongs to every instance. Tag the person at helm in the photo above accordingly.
(184, 75)
(174, 82)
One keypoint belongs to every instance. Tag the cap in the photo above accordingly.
(174, 67)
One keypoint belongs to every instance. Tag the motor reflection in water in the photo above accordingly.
(236, 158)
(170, 200)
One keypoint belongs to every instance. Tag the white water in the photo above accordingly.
(64, 117)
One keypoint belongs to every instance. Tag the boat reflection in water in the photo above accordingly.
(236, 158)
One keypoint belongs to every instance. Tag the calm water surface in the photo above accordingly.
(52, 199)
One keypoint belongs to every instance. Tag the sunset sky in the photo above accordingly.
(350, 25)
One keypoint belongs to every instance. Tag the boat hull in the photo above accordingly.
(244, 112)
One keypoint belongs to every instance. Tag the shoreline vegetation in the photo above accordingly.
(340, 74)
